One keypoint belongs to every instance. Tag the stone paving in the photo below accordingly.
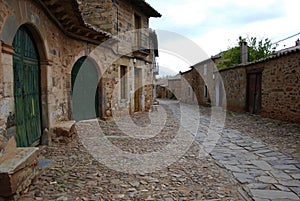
(219, 163)
(264, 174)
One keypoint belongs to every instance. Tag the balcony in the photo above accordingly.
(155, 68)
(145, 41)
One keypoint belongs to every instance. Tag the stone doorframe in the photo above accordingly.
(9, 30)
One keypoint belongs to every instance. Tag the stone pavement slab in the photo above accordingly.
(265, 172)
(232, 163)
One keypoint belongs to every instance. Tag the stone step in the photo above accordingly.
(17, 172)
(65, 128)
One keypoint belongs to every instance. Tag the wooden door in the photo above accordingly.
(85, 102)
(254, 92)
(138, 89)
(26, 89)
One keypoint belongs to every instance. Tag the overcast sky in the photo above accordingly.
(214, 25)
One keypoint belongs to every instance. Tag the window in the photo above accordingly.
(123, 79)
(205, 91)
(137, 26)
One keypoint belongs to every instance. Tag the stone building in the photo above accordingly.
(198, 83)
(174, 87)
(72, 59)
(169, 87)
(268, 87)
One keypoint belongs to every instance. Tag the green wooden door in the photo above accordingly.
(26, 89)
(85, 100)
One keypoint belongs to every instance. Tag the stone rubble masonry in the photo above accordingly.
(194, 81)
(111, 17)
(235, 83)
(58, 53)
(189, 80)
(280, 86)
(175, 88)
(118, 19)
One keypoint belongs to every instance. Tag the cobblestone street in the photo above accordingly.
(174, 153)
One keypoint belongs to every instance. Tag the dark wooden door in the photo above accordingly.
(26, 89)
(254, 92)
(138, 89)
(85, 101)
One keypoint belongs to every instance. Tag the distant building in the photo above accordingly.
(269, 87)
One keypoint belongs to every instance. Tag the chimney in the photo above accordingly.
(244, 52)
(298, 42)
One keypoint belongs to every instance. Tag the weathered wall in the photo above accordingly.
(189, 80)
(280, 91)
(175, 88)
(111, 17)
(57, 52)
(194, 82)
(281, 87)
(235, 83)
(205, 72)
(99, 13)
(118, 19)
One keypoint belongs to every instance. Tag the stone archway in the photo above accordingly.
(27, 90)
(86, 94)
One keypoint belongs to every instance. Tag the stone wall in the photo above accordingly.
(118, 19)
(235, 83)
(189, 80)
(205, 86)
(160, 91)
(99, 13)
(111, 17)
(280, 86)
(58, 54)
(199, 82)
(175, 88)
(280, 92)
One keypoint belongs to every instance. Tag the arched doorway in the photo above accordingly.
(26, 67)
(85, 90)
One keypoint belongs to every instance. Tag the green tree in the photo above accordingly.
(257, 49)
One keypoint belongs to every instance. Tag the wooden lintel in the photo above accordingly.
(7, 49)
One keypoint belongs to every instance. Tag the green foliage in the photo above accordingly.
(257, 49)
